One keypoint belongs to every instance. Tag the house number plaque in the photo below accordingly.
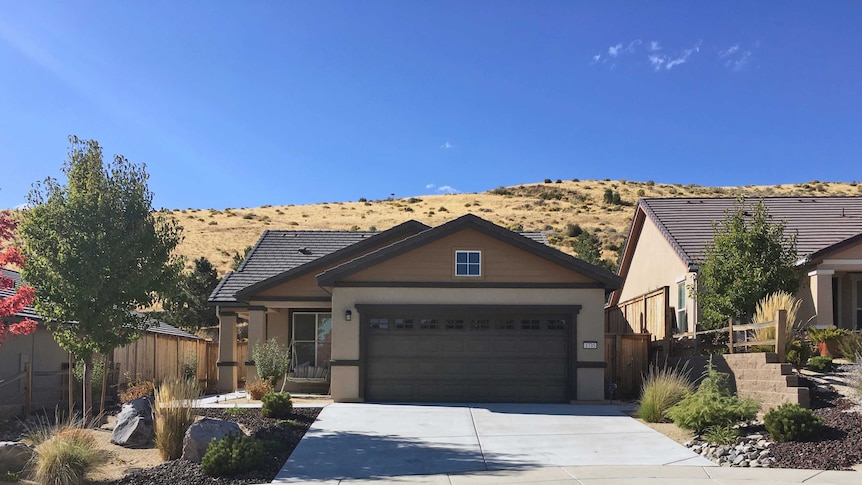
(591, 344)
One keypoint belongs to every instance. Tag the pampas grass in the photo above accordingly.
(766, 308)
(65, 452)
(662, 388)
(174, 414)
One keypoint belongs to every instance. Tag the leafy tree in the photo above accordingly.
(97, 251)
(589, 248)
(187, 306)
(238, 258)
(271, 360)
(16, 299)
(750, 257)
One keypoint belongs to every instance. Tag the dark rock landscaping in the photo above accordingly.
(279, 437)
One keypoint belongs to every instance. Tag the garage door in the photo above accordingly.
(466, 357)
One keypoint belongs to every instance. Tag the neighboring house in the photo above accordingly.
(161, 345)
(466, 311)
(668, 239)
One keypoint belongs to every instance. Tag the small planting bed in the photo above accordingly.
(280, 437)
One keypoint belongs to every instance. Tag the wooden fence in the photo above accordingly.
(627, 358)
(748, 335)
(649, 313)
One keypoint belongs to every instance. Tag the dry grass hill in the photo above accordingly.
(548, 206)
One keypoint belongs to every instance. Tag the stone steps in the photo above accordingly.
(761, 376)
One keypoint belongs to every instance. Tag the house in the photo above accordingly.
(158, 353)
(668, 239)
(465, 311)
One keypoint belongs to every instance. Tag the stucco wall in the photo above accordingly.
(346, 346)
(654, 264)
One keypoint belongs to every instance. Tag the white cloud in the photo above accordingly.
(429, 186)
(597, 58)
(617, 50)
(614, 50)
(654, 46)
(446, 146)
(735, 58)
(666, 62)
(447, 189)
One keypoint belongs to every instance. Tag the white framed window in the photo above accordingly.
(312, 339)
(468, 263)
(681, 314)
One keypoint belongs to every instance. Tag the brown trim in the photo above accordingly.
(409, 227)
(459, 284)
(227, 363)
(344, 363)
(469, 221)
(584, 364)
(315, 299)
(817, 257)
(250, 363)
(227, 314)
(252, 308)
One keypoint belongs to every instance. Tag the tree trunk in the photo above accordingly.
(104, 389)
(87, 398)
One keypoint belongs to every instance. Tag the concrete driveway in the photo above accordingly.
(388, 440)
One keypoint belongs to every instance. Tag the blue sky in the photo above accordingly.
(240, 104)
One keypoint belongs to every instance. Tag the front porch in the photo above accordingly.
(304, 328)
(832, 295)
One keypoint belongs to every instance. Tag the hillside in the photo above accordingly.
(550, 206)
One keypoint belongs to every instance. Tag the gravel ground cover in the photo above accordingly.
(279, 437)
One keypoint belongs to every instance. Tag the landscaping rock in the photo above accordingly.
(14, 456)
(134, 424)
(749, 450)
(200, 434)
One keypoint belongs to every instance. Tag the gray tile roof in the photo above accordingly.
(818, 222)
(27, 312)
(280, 251)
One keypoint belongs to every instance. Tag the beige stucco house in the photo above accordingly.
(465, 311)
(668, 238)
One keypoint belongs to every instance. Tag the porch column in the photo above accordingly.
(228, 368)
(821, 295)
(256, 323)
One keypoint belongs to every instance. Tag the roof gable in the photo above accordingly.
(468, 221)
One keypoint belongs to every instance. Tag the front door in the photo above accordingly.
(857, 304)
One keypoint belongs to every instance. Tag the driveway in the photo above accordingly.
(387, 440)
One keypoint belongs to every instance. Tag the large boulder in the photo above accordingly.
(134, 424)
(200, 434)
(14, 456)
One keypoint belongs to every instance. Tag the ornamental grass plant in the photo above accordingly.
(766, 308)
(174, 408)
(663, 387)
(65, 452)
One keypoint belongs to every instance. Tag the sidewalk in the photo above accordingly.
(615, 475)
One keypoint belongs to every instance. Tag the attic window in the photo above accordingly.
(468, 263)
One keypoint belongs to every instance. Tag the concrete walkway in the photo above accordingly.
(616, 475)
(393, 441)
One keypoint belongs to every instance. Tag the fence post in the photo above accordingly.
(780, 333)
(730, 334)
(28, 387)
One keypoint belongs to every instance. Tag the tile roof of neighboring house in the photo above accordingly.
(281, 252)
(27, 312)
(817, 222)
(30, 312)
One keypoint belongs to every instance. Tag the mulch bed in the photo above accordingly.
(837, 447)
(279, 442)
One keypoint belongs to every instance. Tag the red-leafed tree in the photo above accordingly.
(11, 304)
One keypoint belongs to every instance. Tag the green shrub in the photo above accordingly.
(712, 404)
(850, 346)
(721, 435)
(797, 353)
(820, 364)
(573, 230)
(174, 412)
(791, 422)
(271, 359)
(277, 405)
(818, 335)
(231, 455)
(662, 388)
